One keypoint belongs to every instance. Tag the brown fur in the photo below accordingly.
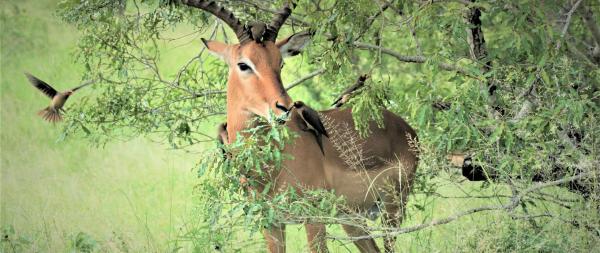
(386, 156)
(389, 159)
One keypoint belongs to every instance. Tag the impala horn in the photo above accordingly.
(227, 16)
(278, 21)
(257, 31)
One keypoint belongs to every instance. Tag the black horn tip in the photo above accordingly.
(204, 41)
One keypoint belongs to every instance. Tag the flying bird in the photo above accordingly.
(312, 122)
(52, 113)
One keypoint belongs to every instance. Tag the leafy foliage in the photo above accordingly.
(527, 108)
(237, 195)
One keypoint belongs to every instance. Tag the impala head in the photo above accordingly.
(254, 83)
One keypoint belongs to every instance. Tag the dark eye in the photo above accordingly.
(243, 66)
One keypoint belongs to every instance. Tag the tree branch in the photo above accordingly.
(592, 24)
(413, 58)
(577, 53)
(478, 49)
(262, 8)
(567, 23)
(372, 19)
(514, 202)
(304, 78)
(345, 95)
(476, 40)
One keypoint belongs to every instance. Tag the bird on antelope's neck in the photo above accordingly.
(52, 113)
(312, 122)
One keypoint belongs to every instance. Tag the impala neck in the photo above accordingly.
(238, 117)
(237, 120)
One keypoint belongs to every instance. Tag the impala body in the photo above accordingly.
(384, 176)
(386, 166)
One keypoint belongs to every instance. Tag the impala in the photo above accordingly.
(254, 87)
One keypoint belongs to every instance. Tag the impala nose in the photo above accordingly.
(286, 111)
(283, 104)
(281, 107)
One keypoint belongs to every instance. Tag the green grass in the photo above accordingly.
(137, 196)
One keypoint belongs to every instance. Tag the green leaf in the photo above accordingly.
(497, 134)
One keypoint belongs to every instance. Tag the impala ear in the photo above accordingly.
(294, 44)
(217, 49)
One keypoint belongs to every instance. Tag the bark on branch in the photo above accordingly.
(414, 58)
(512, 204)
(477, 47)
(592, 24)
(350, 91)
(567, 23)
(304, 78)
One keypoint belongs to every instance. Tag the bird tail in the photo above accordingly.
(50, 114)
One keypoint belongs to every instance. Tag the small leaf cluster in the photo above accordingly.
(237, 184)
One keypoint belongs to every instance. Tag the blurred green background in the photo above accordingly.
(126, 195)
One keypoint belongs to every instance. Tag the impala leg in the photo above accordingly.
(393, 216)
(364, 245)
(315, 234)
(275, 238)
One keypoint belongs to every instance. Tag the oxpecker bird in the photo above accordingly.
(349, 92)
(312, 122)
(52, 112)
(258, 30)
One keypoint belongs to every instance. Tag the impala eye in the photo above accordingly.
(243, 67)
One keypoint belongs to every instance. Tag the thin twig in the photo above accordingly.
(198, 56)
(262, 8)
(576, 52)
(567, 23)
(514, 202)
(304, 78)
(414, 58)
(413, 33)
(372, 19)
(590, 21)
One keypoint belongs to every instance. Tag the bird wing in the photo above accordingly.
(41, 85)
(347, 91)
(82, 85)
(312, 118)
(360, 82)
(320, 142)
(335, 102)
